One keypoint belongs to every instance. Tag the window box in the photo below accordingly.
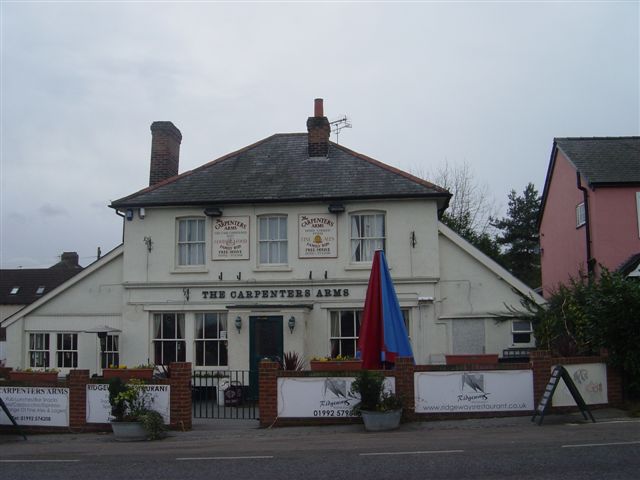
(335, 365)
(482, 359)
(33, 377)
(127, 374)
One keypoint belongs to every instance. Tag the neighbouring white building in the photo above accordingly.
(268, 250)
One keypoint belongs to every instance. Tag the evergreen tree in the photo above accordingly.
(519, 236)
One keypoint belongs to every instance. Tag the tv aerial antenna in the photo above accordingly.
(338, 125)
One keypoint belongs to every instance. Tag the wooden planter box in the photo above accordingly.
(482, 359)
(336, 365)
(34, 377)
(127, 374)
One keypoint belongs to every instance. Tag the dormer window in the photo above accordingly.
(14, 291)
(40, 290)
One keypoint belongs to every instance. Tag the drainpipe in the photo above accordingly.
(121, 215)
(587, 226)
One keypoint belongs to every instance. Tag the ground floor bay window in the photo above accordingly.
(211, 339)
(64, 350)
(345, 331)
(168, 338)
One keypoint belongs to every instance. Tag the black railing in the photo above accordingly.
(224, 394)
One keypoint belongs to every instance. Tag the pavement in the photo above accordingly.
(214, 429)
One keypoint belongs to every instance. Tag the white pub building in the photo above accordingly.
(264, 251)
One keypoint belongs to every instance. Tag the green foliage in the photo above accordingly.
(370, 386)
(585, 316)
(292, 361)
(519, 235)
(484, 242)
(153, 424)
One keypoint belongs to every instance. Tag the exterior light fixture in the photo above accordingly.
(238, 323)
(292, 324)
(129, 214)
(213, 212)
(336, 208)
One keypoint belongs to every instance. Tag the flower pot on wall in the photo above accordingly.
(33, 377)
(128, 431)
(381, 421)
(335, 365)
(127, 374)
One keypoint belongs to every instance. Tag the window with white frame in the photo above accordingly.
(39, 350)
(109, 351)
(191, 241)
(168, 338)
(345, 331)
(580, 215)
(367, 235)
(67, 350)
(272, 239)
(211, 339)
(522, 332)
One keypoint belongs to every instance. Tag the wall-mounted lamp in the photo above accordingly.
(142, 212)
(336, 208)
(129, 214)
(213, 212)
(292, 324)
(238, 323)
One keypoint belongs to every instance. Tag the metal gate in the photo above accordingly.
(224, 394)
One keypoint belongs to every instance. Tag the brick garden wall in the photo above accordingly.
(180, 400)
(540, 363)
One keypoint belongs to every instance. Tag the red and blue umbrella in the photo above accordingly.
(383, 335)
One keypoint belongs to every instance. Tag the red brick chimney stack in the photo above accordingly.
(319, 131)
(165, 151)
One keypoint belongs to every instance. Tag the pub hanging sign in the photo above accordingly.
(230, 238)
(317, 235)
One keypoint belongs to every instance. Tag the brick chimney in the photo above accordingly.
(68, 260)
(319, 130)
(165, 151)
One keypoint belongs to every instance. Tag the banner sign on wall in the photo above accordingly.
(317, 235)
(99, 410)
(36, 406)
(230, 238)
(320, 397)
(591, 381)
(478, 391)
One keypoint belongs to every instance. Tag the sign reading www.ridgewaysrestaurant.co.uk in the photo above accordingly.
(478, 391)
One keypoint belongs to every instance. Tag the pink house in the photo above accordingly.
(590, 212)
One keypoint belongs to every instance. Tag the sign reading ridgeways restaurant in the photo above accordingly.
(477, 391)
(317, 236)
(230, 238)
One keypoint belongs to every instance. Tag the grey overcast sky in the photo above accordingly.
(487, 83)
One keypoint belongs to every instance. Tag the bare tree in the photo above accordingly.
(471, 207)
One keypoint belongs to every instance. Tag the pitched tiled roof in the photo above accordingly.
(604, 160)
(278, 169)
(29, 280)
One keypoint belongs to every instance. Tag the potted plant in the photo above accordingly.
(333, 364)
(380, 410)
(46, 375)
(143, 372)
(133, 420)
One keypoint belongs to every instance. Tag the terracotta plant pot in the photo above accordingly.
(34, 377)
(336, 365)
(127, 374)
